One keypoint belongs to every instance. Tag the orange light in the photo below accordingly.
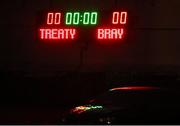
(135, 88)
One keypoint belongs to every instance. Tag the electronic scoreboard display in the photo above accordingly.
(68, 25)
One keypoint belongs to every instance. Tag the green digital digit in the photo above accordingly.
(94, 18)
(76, 16)
(86, 18)
(68, 18)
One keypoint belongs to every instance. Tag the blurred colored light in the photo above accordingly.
(81, 109)
(135, 88)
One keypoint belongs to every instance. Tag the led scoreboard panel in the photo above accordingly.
(58, 25)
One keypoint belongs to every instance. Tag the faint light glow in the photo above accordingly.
(135, 88)
(57, 34)
(110, 33)
(81, 109)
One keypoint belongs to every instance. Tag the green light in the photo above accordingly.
(86, 18)
(68, 18)
(96, 107)
(76, 18)
(94, 18)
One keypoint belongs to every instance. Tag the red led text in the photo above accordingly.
(57, 34)
(110, 33)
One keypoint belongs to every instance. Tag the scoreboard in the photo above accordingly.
(66, 25)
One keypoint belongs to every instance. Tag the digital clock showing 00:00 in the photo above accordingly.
(86, 18)
(57, 25)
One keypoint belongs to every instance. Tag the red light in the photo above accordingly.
(123, 18)
(115, 19)
(57, 34)
(119, 18)
(57, 18)
(110, 33)
(50, 18)
(53, 18)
